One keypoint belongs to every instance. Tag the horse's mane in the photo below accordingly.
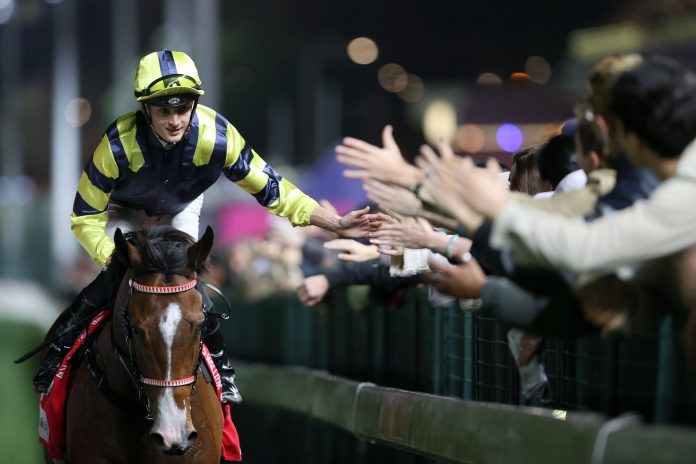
(163, 250)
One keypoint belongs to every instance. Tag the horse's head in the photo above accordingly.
(162, 321)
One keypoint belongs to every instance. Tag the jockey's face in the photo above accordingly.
(170, 123)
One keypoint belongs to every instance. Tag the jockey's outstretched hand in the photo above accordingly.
(355, 224)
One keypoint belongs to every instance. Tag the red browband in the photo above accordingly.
(165, 289)
(168, 383)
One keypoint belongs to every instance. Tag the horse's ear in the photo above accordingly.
(125, 252)
(198, 252)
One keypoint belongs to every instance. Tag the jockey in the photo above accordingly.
(152, 167)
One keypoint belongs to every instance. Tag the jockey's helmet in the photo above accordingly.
(167, 78)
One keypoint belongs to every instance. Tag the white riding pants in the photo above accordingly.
(129, 219)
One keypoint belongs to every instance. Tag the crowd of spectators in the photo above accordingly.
(590, 231)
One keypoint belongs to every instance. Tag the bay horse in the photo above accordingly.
(153, 404)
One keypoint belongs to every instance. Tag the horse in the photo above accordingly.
(138, 395)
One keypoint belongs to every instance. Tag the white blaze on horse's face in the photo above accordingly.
(171, 422)
(168, 325)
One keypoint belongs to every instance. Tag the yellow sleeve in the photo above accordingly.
(278, 195)
(90, 231)
(89, 216)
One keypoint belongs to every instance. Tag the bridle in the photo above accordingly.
(130, 361)
(159, 290)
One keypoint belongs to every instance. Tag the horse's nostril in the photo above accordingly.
(158, 439)
(175, 449)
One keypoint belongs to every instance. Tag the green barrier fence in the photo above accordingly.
(407, 344)
(453, 430)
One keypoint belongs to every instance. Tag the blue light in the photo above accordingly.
(509, 137)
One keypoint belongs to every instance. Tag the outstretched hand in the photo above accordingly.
(412, 233)
(393, 197)
(462, 280)
(352, 250)
(385, 164)
(355, 224)
(312, 289)
(482, 188)
(443, 183)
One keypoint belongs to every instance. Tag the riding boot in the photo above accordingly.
(94, 297)
(216, 345)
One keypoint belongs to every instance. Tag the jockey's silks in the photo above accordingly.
(130, 166)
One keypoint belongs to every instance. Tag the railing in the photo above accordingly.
(458, 431)
(425, 351)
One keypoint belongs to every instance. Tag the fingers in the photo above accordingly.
(372, 185)
(359, 216)
(339, 244)
(377, 197)
(387, 241)
(467, 165)
(382, 218)
(388, 138)
(423, 164)
(395, 216)
(303, 294)
(349, 257)
(358, 145)
(389, 229)
(440, 267)
(392, 251)
(492, 166)
(430, 156)
(445, 149)
(356, 174)
(353, 158)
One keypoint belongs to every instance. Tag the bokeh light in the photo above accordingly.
(392, 77)
(362, 50)
(78, 111)
(470, 137)
(538, 68)
(519, 76)
(509, 137)
(414, 89)
(6, 9)
(488, 78)
(439, 121)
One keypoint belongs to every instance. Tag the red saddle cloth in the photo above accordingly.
(52, 403)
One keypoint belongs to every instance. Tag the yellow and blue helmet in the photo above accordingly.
(167, 78)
